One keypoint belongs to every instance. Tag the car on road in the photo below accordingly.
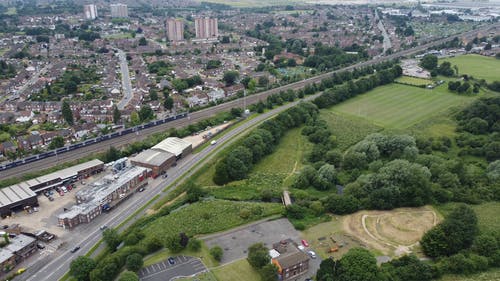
(103, 227)
(141, 189)
(165, 176)
(75, 249)
(304, 242)
(214, 142)
(312, 254)
(171, 260)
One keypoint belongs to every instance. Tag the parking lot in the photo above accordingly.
(164, 271)
(235, 243)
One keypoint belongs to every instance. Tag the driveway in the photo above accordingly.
(164, 271)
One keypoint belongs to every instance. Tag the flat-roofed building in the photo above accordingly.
(119, 10)
(15, 198)
(103, 195)
(175, 30)
(19, 248)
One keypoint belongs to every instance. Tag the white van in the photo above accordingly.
(213, 142)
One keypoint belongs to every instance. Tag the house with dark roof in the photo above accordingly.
(290, 260)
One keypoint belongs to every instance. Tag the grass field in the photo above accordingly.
(398, 106)
(490, 275)
(209, 217)
(487, 214)
(239, 270)
(413, 81)
(273, 172)
(487, 68)
(163, 254)
(348, 129)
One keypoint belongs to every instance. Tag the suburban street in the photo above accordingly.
(206, 113)
(55, 265)
(387, 39)
(126, 84)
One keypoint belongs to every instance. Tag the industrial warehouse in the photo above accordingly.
(105, 194)
(163, 155)
(18, 196)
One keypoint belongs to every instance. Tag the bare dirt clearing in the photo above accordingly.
(393, 232)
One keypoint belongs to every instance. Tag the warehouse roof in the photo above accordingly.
(172, 145)
(15, 193)
(152, 157)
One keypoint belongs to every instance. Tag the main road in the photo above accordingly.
(55, 265)
(206, 113)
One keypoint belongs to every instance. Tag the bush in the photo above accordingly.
(217, 252)
(194, 245)
(134, 262)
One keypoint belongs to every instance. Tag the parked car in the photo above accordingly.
(75, 249)
(312, 254)
(304, 242)
(40, 246)
(69, 188)
(61, 193)
(171, 260)
(165, 176)
(302, 248)
(51, 198)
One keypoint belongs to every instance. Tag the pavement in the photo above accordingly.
(235, 242)
(164, 271)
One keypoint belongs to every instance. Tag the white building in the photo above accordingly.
(119, 11)
(90, 12)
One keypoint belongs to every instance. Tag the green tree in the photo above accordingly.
(230, 77)
(67, 113)
(216, 252)
(112, 238)
(258, 255)
(117, 115)
(268, 272)
(358, 265)
(134, 118)
(143, 42)
(81, 267)
(146, 113)
(485, 245)
(128, 276)
(134, 262)
(456, 233)
(173, 243)
(56, 142)
(168, 103)
(326, 271)
(429, 62)
(194, 244)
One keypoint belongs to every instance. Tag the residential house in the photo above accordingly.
(291, 261)
(48, 137)
(8, 146)
(35, 141)
(234, 89)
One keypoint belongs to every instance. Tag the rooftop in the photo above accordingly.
(152, 157)
(13, 194)
(172, 145)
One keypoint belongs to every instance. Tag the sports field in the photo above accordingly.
(482, 67)
(398, 106)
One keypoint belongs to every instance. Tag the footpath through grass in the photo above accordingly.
(398, 106)
(481, 67)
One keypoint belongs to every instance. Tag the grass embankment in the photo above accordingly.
(481, 67)
(210, 216)
(398, 106)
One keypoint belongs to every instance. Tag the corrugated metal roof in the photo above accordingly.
(172, 145)
(15, 193)
(152, 157)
